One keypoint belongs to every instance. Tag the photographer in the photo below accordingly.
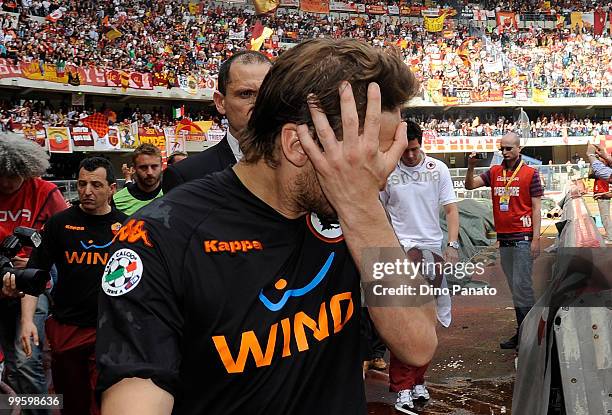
(25, 200)
(77, 241)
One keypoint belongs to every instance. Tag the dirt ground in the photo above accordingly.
(470, 374)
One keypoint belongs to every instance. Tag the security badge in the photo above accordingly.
(504, 203)
(504, 199)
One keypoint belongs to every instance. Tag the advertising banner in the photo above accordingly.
(59, 140)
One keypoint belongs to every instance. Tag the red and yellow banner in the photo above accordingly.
(507, 20)
(312, 6)
(376, 9)
(47, 72)
(125, 79)
(59, 140)
(433, 143)
(36, 133)
(82, 136)
(153, 136)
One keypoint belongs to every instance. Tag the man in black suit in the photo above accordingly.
(238, 84)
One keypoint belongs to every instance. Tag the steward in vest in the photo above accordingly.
(516, 191)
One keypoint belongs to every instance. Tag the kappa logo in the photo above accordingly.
(132, 232)
(232, 247)
(430, 165)
(122, 273)
(326, 230)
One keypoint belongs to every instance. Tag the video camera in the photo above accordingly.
(29, 281)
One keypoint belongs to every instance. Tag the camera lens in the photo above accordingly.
(30, 281)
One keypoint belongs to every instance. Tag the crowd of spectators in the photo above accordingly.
(553, 6)
(31, 7)
(554, 125)
(171, 38)
(35, 113)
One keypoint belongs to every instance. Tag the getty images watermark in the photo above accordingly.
(395, 277)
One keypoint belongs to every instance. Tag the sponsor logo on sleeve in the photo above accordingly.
(122, 273)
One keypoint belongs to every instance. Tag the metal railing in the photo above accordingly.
(554, 178)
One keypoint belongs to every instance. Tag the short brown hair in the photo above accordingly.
(318, 67)
(147, 149)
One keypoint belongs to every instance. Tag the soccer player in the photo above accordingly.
(245, 299)
(147, 161)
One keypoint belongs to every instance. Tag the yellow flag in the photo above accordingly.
(576, 19)
(539, 95)
(257, 43)
(434, 24)
(113, 34)
(194, 8)
(560, 21)
(265, 6)
(204, 125)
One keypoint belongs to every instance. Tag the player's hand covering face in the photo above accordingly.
(359, 164)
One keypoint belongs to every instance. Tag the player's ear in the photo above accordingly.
(291, 146)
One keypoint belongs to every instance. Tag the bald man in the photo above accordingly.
(517, 192)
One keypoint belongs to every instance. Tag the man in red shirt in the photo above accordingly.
(25, 200)
(516, 192)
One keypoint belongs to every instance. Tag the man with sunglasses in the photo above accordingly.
(516, 191)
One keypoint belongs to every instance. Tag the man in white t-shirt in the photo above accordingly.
(415, 190)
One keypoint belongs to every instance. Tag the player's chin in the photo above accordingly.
(326, 211)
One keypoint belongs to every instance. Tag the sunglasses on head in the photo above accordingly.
(506, 148)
